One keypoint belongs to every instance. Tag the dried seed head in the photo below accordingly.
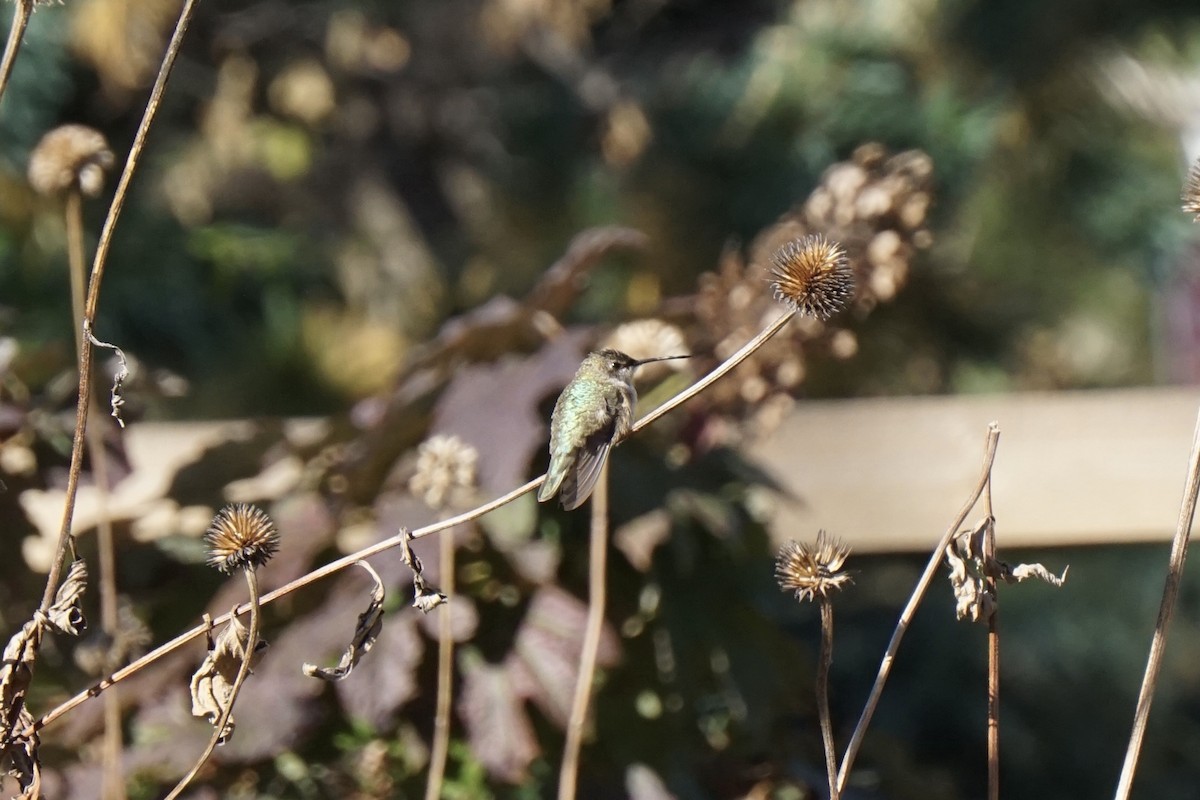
(70, 156)
(1191, 191)
(445, 468)
(813, 276)
(812, 569)
(241, 536)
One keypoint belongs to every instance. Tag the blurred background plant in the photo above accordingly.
(339, 201)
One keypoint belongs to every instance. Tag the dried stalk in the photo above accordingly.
(935, 560)
(395, 541)
(993, 688)
(113, 785)
(1158, 645)
(441, 722)
(93, 296)
(243, 670)
(22, 9)
(568, 774)
(823, 694)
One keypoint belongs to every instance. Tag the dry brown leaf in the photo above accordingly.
(366, 631)
(212, 683)
(15, 674)
(20, 760)
(971, 568)
(65, 616)
(498, 728)
(425, 597)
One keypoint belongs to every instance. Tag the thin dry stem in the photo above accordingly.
(568, 774)
(826, 661)
(21, 12)
(395, 541)
(441, 722)
(243, 670)
(93, 297)
(993, 688)
(1158, 645)
(935, 560)
(113, 781)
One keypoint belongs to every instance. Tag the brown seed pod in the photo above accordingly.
(241, 536)
(813, 276)
(812, 569)
(70, 156)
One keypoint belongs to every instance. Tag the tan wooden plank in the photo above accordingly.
(1072, 468)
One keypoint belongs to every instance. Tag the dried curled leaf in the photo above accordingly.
(212, 683)
(65, 615)
(971, 569)
(425, 597)
(116, 400)
(20, 761)
(15, 674)
(366, 631)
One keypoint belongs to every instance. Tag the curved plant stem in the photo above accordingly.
(441, 722)
(1158, 645)
(568, 775)
(113, 787)
(395, 541)
(93, 296)
(248, 650)
(20, 21)
(889, 656)
(823, 695)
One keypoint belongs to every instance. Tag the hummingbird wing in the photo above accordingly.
(577, 483)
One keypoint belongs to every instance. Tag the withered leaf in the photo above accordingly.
(116, 400)
(20, 760)
(65, 616)
(498, 727)
(544, 663)
(425, 597)
(15, 674)
(971, 568)
(212, 683)
(366, 631)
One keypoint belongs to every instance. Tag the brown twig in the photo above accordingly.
(93, 296)
(823, 694)
(568, 775)
(442, 720)
(993, 638)
(22, 9)
(243, 670)
(1158, 645)
(395, 541)
(889, 656)
(113, 787)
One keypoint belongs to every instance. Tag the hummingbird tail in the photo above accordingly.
(554, 477)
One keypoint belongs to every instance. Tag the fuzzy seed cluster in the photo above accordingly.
(812, 276)
(812, 570)
(70, 156)
(241, 536)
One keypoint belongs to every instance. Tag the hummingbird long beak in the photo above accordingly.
(642, 361)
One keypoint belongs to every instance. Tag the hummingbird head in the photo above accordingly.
(620, 365)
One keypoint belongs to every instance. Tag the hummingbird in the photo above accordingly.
(592, 415)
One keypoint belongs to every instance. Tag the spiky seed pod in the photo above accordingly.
(812, 569)
(1191, 191)
(813, 276)
(241, 536)
(70, 156)
(446, 466)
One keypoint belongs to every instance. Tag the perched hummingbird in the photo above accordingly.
(593, 413)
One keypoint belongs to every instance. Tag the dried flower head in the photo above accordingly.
(812, 569)
(1191, 191)
(813, 276)
(649, 338)
(445, 466)
(70, 156)
(241, 536)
